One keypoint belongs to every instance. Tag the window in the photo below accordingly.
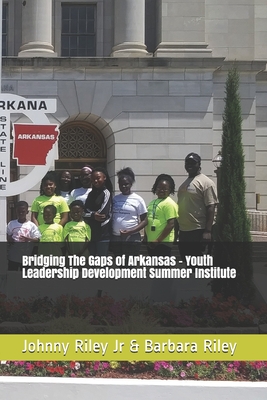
(78, 32)
(4, 29)
(80, 143)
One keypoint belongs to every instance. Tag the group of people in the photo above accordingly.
(89, 220)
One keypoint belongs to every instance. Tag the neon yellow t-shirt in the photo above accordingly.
(77, 231)
(76, 234)
(159, 211)
(51, 240)
(51, 233)
(40, 202)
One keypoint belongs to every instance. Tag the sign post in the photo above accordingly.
(41, 134)
(33, 145)
(2, 199)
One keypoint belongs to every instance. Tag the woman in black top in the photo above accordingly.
(98, 211)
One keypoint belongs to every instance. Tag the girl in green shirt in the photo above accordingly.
(162, 217)
(49, 196)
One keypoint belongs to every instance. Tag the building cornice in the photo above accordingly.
(111, 62)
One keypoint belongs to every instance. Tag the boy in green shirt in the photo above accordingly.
(51, 240)
(77, 233)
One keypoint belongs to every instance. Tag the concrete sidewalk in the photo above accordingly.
(33, 388)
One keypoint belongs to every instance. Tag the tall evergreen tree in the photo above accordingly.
(233, 240)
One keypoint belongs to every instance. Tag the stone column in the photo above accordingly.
(181, 29)
(129, 29)
(37, 29)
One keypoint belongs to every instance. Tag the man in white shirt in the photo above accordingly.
(82, 192)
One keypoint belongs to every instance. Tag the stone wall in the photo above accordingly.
(151, 112)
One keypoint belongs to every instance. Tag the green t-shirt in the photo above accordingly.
(77, 231)
(51, 233)
(51, 241)
(40, 202)
(159, 211)
(76, 234)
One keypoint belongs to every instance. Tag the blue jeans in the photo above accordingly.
(129, 245)
(99, 248)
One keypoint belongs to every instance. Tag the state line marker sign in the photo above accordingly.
(33, 142)
(34, 145)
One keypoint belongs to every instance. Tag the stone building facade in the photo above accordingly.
(140, 83)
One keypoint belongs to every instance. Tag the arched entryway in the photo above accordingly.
(80, 143)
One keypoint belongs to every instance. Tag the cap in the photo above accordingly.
(193, 156)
